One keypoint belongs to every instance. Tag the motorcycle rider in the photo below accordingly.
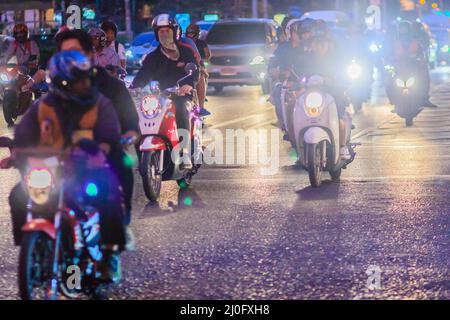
(193, 32)
(322, 60)
(110, 29)
(404, 47)
(72, 104)
(103, 55)
(23, 48)
(288, 60)
(116, 91)
(166, 64)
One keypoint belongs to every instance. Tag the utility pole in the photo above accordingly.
(128, 20)
(254, 8)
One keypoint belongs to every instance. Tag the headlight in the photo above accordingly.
(257, 60)
(374, 47)
(39, 183)
(400, 83)
(150, 106)
(313, 102)
(129, 54)
(354, 71)
(411, 81)
(4, 77)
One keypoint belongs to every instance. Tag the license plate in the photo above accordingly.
(228, 72)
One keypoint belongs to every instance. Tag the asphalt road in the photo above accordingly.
(239, 234)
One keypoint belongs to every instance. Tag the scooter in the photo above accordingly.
(317, 134)
(405, 90)
(162, 153)
(15, 100)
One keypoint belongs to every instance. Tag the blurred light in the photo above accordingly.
(313, 100)
(188, 201)
(128, 161)
(129, 54)
(374, 47)
(257, 60)
(39, 179)
(3, 77)
(261, 75)
(279, 17)
(354, 71)
(210, 17)
(411, 81)
(92, 189)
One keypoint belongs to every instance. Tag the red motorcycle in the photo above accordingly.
(60, 245)
(12, 78)
(162, 153)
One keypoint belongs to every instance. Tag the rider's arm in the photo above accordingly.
(107, 129)
(9, 53)
(146, 72)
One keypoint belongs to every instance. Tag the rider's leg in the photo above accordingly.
(18, 201)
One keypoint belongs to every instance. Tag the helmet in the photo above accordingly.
(60, 31)
(98, 33)
(108, 25)
(194, 29)
(67, 67)
(404, 28)
(165, 20)
(20, 28)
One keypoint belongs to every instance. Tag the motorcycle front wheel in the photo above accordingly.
(35, 267)
(151, 175)
(314, 152)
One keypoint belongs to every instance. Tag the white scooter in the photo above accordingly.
(316, 132)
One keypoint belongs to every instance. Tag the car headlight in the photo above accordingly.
(400, 83)
(39, 183)
(4, 77)
(313, 102)
(257, 60)
(374, 47)
(150, 106)
(405, 84)
(354, 71)
(410, 82)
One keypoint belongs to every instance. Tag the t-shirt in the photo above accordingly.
(106, 57)
(201, 46)
(120, 49)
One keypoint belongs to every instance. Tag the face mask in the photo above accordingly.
(167, 41)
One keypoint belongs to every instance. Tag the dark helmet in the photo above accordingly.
(98, 33)
(165, 20)
(404, 28)
(193, 29)
(67, 67)
(20, 28)
(109, 25)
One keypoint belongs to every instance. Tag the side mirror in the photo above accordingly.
(190, 68)
(6, 142)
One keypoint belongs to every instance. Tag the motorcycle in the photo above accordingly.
(15, 100)
(160, 147)
(405, 90)
(317, 134)
(360, 77)
(61, 236)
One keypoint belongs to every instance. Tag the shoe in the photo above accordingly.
(429, 104)
(204, 112)
(109, 268)
(345, 154)
(129, 239)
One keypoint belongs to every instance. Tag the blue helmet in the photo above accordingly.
(67, 67)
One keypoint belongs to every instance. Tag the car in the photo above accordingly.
(142, 44)
(240, 50)
(205, 26)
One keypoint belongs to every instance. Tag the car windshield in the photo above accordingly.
(143, 39)
(242, 33)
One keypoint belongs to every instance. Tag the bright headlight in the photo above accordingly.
(150, 106)
(257, 60)
(411, 81)
(313, 102)
(400, 83)
(4, 77)
(374, 47)
(129, 54)
(354, 71)
(39, 182)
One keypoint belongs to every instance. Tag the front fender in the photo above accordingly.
(153, 143)
(41, 225)
(315, 135)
